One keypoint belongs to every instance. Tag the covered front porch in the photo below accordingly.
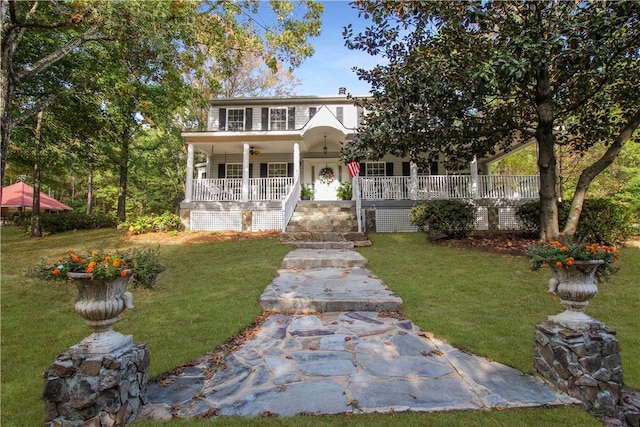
(255, 204)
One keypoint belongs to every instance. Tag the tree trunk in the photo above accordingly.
(589, 173)
(35, 209)
(90, 192)
(549, 229)
(6, 90)
(124, 171)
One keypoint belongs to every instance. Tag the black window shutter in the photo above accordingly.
(263, 170)
(248, 119)
(388, 169)
(340, 113)
(312, 112)
(250, 170)
(433, 168)
(289, 169)
(363, 169)
(292, 118)
(222, 119)
(406, 168)
(221, 170)
(265, 119)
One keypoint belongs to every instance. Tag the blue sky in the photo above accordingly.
(330, 66)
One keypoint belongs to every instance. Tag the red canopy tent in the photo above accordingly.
(18, 196)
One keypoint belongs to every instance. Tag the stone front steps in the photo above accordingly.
(323, 272)
(327, 280)
(324, 221)
(328, 290)
(323, 258)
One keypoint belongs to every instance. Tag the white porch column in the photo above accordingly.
(296, 162)
(413, 181)
(188, 188)
(475, 189)
(245, 172)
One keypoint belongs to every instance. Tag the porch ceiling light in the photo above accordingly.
(324, 149)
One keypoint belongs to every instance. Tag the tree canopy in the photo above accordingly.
(109, 72)
(466, 79)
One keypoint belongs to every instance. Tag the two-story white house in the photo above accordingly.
(258, 153)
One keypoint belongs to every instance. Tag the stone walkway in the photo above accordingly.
(344, 358)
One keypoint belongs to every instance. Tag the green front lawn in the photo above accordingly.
(483, 302)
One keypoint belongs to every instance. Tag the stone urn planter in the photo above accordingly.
(99, 303)
(575, 285)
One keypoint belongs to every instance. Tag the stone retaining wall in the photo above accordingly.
(585, 364)
(97, 390)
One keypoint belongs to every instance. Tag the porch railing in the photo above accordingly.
(434, 187)
(230, 189)
(289, 203)
(508, 186)
(429, 187)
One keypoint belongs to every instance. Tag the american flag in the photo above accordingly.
(354, 168)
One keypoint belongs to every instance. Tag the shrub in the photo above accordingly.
(418, 216)
(306, 192)
(602, 220)
(528, 216)
(154, 223)
(345, 192)
(51, 223)
(454, 218)
(146, 267)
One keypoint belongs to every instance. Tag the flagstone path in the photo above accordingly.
(345, 352)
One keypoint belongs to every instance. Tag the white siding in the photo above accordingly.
(350, 115)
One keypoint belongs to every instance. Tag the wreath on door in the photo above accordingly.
(326, 176)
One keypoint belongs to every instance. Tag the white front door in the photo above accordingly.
(324, 175)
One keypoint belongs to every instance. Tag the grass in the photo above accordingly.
(209, 293)
(490, 303)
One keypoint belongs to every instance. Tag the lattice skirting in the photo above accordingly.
(232, 220)
(267, 220)
(216, 221)
(393, 220)
(397, 220)
(508, 219)
(482, 219)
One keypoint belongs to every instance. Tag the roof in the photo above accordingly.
(20, 195)
(288, 100)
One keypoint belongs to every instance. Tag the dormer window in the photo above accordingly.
(235, 119)
(278, 118)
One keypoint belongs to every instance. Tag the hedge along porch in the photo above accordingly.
(257, 152)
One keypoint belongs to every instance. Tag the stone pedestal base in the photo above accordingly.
(96, 389)
(583, 363)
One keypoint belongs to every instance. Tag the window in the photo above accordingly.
(375, 169)
(278, 119)
(234, 170)
(276, 170)
(235, 119)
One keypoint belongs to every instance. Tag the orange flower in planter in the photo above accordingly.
(143, 265)
(559, 255)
